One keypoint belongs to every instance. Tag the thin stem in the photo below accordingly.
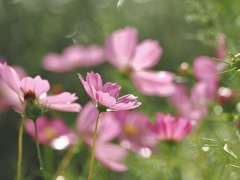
(39, 152)
(93, 146)
(65, 161)
(19, 164)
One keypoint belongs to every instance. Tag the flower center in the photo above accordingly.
(50, 133)
(130, 130)
(29, 96)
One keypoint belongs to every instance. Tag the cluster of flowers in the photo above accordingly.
(133, 129)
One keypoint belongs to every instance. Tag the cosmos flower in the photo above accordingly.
(73, 57)
(32, 92)
(109, 154)
(169, 128)
(136, 131)
(124, 52)
(53, 132)
(105, 95)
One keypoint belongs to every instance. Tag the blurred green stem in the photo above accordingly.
(93, 146)
(19, 164)
(39, 151)
(65, 161)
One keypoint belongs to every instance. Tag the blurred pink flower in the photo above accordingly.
(221, 47)
(8, 98)
(105, 96)
(124, 52)
(136, 131)
(110, 155)
(35, 89)
(193, 106)
(73, 57)
(53, 132)
(169, 128)
(206, 71)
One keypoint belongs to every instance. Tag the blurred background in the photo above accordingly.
(31, 29)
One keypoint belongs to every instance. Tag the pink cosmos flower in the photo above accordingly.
(124, 52)
(136, 131)
(35, 89)
(72, 57)
(53, 132)
(105, 95)
(169, 128)
(8, 98)
(110, 155)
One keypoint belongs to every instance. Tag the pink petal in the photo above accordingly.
(112, 89)
(111, 156)
(37, 85)
(205, 69)
(120, 46)
(56, 63)
(147, 55)
(95, 80)
(105, 99)
(62, 102)
(154, 83)
(10, 77)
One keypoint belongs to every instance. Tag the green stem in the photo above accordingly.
(19, 164)
(39, 152)
(93, 146)
(65, 161)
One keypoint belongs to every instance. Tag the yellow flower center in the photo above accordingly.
(50, 133)
(130, 130)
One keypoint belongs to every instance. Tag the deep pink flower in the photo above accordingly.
(169, 128)
(124, 52)
(136, 131)
(53, 132)
(73, 57)
(105, 95)
(110, 155)
(35, 89)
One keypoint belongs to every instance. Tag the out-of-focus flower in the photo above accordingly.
(221, 46)
(110, 155)
(8, 98)
(73, 57)
(191, 106)
(105, 95)
(124, 52)
(32, 92)
(169, 128)
(53, 132)
(136, 131)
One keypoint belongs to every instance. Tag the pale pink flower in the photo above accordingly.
(193, 105)
(124, 52)
(136, 131)
(221, 47)
(105, 95)
(73, 57)
(110, 155)
(53, 132)
(206, 69)
(169, 128)
(8, 98)
(36, 88)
